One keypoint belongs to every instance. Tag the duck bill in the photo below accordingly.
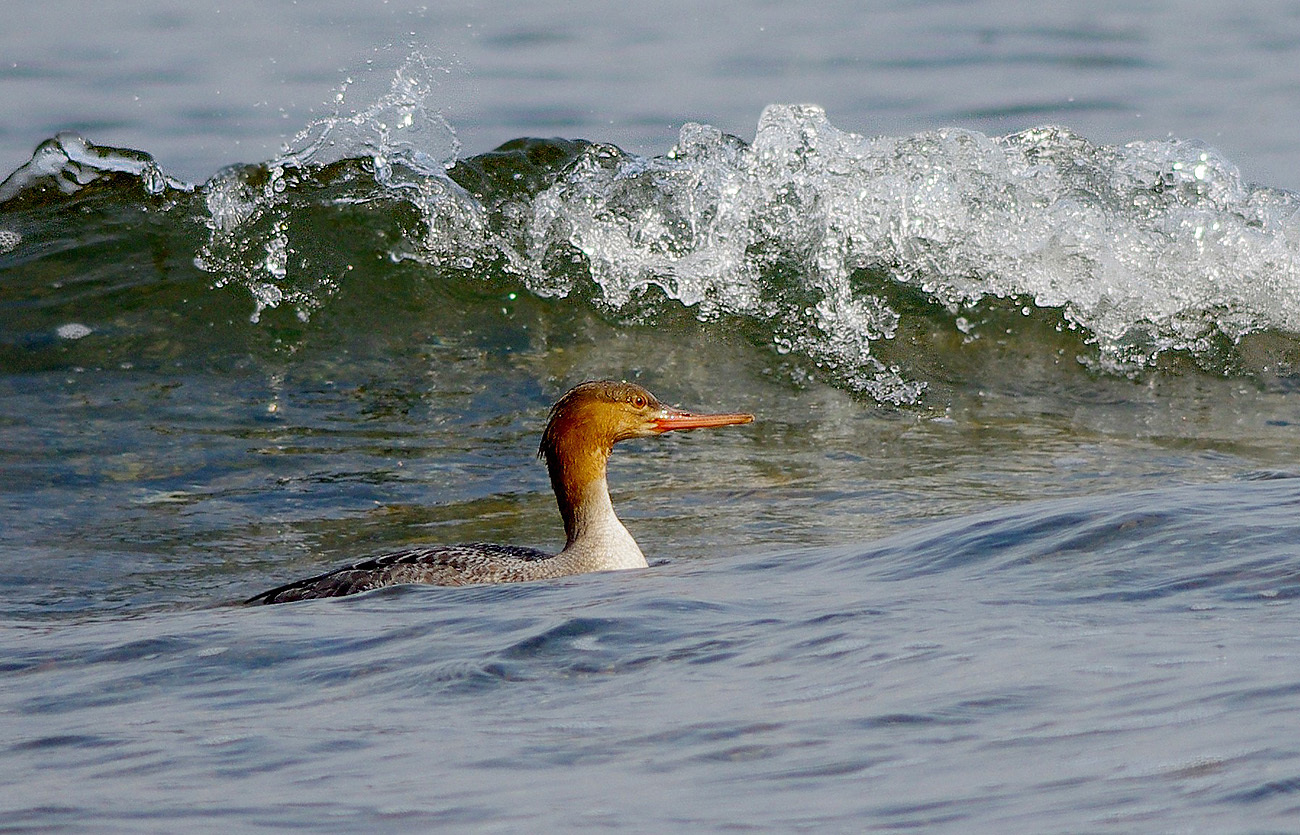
(673, 419)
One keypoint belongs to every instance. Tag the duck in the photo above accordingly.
(580, 434)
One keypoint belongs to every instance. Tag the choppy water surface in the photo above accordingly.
(1012, 545)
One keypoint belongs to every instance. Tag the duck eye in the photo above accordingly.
(638, 401)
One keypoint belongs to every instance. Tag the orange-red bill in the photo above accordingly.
(674, 419)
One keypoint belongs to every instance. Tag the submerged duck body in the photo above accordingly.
(584, 425)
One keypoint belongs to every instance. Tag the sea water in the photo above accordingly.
(1013, 544)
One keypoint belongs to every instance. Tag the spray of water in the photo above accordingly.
(1145, 249)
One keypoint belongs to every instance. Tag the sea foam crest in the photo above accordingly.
(731, 230)
(810, 235)
(1150, 247)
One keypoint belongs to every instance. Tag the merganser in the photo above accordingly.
(584, 426)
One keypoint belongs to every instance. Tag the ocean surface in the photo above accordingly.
(1013, 544)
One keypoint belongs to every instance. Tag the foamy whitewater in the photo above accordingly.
(1150, 249)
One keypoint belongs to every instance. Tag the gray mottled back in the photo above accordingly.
(444, 565)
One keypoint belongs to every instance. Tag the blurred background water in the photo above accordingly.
(200, 87)
(1013, 291)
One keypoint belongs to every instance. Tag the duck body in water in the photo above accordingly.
(584, 426)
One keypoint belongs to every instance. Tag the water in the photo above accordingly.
(1011, 545)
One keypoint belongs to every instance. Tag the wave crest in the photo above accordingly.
(821, 244)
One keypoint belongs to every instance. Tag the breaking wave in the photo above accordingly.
(819, 243)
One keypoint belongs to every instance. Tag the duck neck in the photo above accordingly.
(595, 538)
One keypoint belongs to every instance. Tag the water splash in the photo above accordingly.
(815, 239)
(256, 212)
(1151, 248)
(403, 130)
(731, 230)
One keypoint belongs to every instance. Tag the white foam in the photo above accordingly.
(73, 330)
(813, 232)
(1152, 247)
